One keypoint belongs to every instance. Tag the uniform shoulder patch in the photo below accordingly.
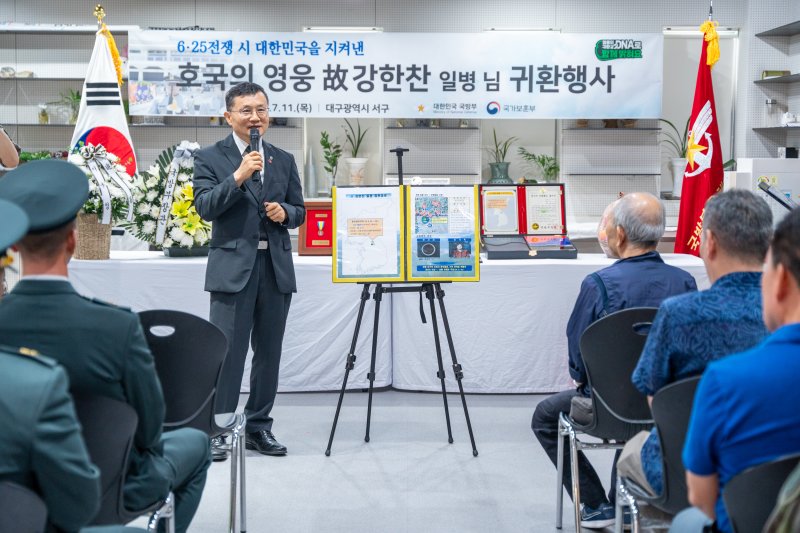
(28, 353)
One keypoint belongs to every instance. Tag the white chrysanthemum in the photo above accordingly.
(143, 209)
(151, 195)
(153, 170)
(149, 227)
(76, 159)
(187, 163)
(111, 157)
(187, 241)
(155, 210)
(184, 177)
(167, 243)
(151, 182)
(92, 186)
(177, 233)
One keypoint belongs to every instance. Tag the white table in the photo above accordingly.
(319, 328)
(509, 329)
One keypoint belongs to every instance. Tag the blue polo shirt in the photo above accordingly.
(690, 331)
(640, 281)
(746, 412)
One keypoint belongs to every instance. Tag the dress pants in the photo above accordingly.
(545, 427)
(256, 314)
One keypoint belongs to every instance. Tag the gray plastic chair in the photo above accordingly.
(610, 348)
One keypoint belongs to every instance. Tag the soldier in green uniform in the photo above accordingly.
(42, 447)
(102, 346)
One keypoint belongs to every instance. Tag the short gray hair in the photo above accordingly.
(741, 223)
(644, 227)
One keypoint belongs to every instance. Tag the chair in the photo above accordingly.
(610, 348)
(21, 509)
(672, 409)
(752, 494)
(109, 427)
(189, 352)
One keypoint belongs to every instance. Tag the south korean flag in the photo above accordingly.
(101, 119)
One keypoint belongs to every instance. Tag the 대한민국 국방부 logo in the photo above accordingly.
(609, 49)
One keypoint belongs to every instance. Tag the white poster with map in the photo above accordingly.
(500, 213)
(443, 233)
(368, 234)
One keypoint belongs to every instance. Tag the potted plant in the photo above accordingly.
(331, 152)
(72, 100)
(500, 166)
(677, 143)
(355, 137)
(543, 164)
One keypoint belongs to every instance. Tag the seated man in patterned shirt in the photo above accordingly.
(694, 329)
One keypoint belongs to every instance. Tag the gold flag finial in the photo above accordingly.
(100, 13)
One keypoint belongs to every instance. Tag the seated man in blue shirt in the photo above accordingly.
(639, 279)
(694, 329)
(745, 411)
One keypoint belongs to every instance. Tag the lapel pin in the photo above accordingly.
(269, 161)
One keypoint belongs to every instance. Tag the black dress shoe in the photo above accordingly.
(264, 442)
(218, 450)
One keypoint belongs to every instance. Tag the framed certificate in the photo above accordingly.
(499, 210)
(315, 236)
(443, 233)
(368, 243)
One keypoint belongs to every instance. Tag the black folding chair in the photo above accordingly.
(610, 348)
(189, 352)
(751, 495)
(672, 409)
(21, 509)
(109, 427)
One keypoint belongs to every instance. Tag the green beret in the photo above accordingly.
(51, 192)
(13, 224)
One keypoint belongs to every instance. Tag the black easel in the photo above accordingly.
(432, 290)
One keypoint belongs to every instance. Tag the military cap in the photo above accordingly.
(13, 224)
(51, 192)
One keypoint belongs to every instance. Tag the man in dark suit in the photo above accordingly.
(43, 449)
(101, 346)
(252, 197)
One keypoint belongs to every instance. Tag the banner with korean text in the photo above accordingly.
(522, 75)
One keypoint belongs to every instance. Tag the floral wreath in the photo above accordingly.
(110, 194)
(164, 214)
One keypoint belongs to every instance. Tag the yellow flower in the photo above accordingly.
(181, 209)
(188, 192)
(191, 224)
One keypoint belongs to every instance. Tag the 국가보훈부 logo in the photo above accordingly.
(609, 49)
(493, 108)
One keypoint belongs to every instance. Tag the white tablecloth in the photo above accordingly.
(319, 328)
(509, 329)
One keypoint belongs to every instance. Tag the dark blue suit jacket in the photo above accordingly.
(237, 214)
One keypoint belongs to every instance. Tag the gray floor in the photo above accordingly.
(407, 479)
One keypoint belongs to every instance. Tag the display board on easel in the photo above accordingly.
(406, 234)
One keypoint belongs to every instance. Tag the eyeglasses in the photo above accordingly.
(247, 112)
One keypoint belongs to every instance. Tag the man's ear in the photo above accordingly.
(622, 237)
(710, 244)
(783, 281)
(72, 242)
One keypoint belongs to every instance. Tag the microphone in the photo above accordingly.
(254, 140)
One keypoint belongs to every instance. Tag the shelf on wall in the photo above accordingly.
(776, 128)
(429, 128)
(612, 129)
(786, 30)
(408, 173)
(60, 29)
(34, 78)
(779, 79)
(611, 174)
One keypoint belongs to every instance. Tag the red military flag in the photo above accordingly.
(703, 175)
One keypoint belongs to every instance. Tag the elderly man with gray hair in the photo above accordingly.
(639, 278)
(692, 330)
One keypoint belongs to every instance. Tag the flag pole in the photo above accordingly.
(710, 10)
